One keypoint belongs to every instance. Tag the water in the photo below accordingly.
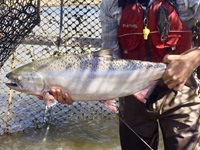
(96, 134)
(93, 134)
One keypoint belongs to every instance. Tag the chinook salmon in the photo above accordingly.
(86, 77)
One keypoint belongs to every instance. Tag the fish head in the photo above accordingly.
(26, 79)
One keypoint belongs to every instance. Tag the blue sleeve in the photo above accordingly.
(189, 9)
(109, 16)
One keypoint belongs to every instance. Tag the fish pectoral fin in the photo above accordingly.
(49, 100)
(145, 93)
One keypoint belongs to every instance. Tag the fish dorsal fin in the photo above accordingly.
(103, 53)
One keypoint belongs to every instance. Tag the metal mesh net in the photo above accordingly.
(66, 26)
(17, 19)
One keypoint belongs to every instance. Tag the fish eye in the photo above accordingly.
(19, 78)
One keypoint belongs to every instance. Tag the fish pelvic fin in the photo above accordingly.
(110, 105)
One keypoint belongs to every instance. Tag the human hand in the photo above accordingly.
(61, 97)
(58, 95)
(179, 69)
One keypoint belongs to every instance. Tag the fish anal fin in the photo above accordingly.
(110, 104)
(145, 93)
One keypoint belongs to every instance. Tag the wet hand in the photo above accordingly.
(58, 95)
(61, 97)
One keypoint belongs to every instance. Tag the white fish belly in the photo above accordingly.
(106, 84)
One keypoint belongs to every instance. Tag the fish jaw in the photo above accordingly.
(14, 86)
(25, 81)
(14, 82)
(19, 88)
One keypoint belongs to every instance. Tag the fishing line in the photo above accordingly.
(132, 129)
(136, 134)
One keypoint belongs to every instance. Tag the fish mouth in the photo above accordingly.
(10, 85)
(13, 86)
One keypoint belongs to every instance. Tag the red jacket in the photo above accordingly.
(131, 37)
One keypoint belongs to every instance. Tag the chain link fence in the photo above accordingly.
(43, 28)
(36, 29)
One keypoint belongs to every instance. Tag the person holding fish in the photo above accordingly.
(157, 31)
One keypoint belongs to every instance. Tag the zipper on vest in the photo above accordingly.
(146, 32)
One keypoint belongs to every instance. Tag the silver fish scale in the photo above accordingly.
(89, 77)
(104, 62)
(93, 62)
(77, 62)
